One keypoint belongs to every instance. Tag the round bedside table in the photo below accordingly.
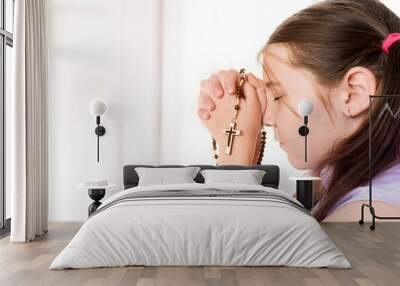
(304, 190)
(96, 193)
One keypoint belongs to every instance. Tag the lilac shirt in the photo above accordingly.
(385, 188)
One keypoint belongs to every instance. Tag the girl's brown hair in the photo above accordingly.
(328, 39)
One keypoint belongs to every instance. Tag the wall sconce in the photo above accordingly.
(305, 108)
(97, 108)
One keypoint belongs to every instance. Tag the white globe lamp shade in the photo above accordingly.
(97, 107)
(305, 107)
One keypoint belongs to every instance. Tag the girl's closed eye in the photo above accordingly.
(274, 96)
(277, 97)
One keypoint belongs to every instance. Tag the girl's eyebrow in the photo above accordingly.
(271, 84)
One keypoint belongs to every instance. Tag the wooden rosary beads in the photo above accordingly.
(231, 131)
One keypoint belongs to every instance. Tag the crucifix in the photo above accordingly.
(231, 132)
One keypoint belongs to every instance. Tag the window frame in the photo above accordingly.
(6, 39)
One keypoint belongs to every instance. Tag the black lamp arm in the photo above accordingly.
(100, 131)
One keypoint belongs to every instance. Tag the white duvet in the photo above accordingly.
(200, 231)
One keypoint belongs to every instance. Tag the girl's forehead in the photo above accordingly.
(276, 59)
(276, 67)
(281, 75)
(279, 69)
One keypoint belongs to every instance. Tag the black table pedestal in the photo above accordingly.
(96, 195)
(304, 193)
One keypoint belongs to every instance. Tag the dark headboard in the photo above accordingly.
(270, 179)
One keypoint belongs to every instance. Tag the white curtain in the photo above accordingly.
(28, 123)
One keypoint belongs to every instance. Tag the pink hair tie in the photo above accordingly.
(389, 41)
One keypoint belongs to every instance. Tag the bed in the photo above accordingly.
(201, 224)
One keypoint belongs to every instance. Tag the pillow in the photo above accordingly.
(249, 177)
(162, 176)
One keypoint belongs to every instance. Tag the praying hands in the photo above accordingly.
(216, 104)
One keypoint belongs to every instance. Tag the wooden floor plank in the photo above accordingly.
(374, 255)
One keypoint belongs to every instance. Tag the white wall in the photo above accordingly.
(146, 59)
(392, 4)
(106, 49)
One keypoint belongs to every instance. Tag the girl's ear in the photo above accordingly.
(359, 83)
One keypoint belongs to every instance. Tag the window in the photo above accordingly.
(6, 44)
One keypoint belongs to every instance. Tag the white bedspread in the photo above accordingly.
(200, 231)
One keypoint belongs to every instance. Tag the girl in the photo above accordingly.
(335, 54)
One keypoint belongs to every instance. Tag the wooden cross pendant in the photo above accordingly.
(231, 132)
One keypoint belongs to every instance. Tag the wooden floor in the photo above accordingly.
(375, 257)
